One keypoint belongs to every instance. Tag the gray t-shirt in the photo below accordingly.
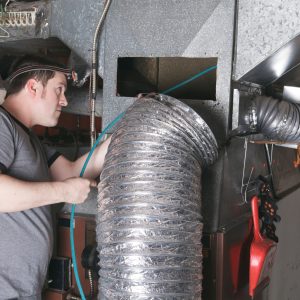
(26, 237)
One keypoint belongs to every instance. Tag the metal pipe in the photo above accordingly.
(90, 275)
(149, 222)
(93, 78)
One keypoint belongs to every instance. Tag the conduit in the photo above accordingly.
(149, 223)
(278, 120)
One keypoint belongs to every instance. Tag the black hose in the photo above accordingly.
(277, 120)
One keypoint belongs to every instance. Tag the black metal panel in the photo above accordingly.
(276, 65)
(59, 276)
(226, 258)
(226, 263)
(224, 187)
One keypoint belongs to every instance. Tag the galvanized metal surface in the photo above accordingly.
(75, 25)
(284, 283)
(276, 65)
(78, 102)
(169, 29)
(263, 27)
(175, 29)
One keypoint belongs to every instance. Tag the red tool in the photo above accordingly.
(262, 253)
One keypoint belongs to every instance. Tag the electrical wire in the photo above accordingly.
(93, 78)
(90, 274)
(72, 224)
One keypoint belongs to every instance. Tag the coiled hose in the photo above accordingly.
(149, 223)
(278, 120)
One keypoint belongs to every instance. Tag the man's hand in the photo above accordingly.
(76, 190)
(24, 195)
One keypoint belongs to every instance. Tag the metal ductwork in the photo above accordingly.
(276, 119)
(149, 223)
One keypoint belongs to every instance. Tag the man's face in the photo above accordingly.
(53, 99)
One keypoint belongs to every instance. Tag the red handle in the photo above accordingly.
(255, 215)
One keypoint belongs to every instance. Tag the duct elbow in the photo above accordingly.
(149, 220)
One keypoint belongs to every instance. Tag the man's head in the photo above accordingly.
(42, 84)
(39, 68)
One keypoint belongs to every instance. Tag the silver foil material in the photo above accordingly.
(149, 224)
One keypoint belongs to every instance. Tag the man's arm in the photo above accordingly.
(18, 195)
(62, 168)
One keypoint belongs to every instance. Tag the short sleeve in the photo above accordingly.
(7, 147)
(51, 154)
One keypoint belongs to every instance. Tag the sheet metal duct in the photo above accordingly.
(149, 223)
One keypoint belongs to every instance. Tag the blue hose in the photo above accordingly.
(109, 126)
(175, 87)
(117, 119)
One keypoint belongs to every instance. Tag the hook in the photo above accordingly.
(244, 165)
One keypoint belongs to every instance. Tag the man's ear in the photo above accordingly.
(32, 87)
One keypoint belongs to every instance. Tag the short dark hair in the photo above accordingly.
(17, 84)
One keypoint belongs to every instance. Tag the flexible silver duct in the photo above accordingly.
(276, 119)
(149, 225)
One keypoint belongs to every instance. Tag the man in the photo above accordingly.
(32, 177)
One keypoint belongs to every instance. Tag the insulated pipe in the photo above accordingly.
(278, 120)
(149, 223)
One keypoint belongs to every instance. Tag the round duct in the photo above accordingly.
(149, 223)
(278, 120)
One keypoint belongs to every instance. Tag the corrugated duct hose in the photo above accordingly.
(149, 223)
(278, 120)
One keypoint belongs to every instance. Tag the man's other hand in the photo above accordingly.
(76, 190)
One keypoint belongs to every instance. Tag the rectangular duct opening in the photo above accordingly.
(180, 77)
